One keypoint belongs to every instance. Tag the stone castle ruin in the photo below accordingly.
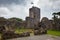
(31, 22)
(34, 18)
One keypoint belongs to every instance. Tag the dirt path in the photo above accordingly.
(39, 37)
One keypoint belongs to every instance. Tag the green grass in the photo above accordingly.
(23, 30)
(53, 32)
(50, 32)
(0, 36)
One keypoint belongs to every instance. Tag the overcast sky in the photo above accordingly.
(20, 8)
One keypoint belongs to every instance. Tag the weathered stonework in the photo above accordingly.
(45, 23)
(34, 17)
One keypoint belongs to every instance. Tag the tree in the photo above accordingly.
(58, 14)
(56, 20)
(14, 18)
(54, 14)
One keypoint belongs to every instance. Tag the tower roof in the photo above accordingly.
(34, 8)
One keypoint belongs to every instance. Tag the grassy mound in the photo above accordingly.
(53, 32)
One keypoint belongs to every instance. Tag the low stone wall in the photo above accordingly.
(10, 35)
(39, 32)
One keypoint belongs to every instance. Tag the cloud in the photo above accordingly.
(20, 8)
(53, 0)
(15, 8)
(3, 11)
(11, 1)
(48, 7)
(14, 11)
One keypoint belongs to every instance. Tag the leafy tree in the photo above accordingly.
(56, 20)
(58, 14)
(14, 18)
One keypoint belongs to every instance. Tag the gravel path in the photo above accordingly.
(39, 37)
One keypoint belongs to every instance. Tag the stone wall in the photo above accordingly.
(34, 17)
(46, 22)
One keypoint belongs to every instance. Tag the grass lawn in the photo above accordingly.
(55, 33)
(23, 30)
(50, 32)
(0, 36)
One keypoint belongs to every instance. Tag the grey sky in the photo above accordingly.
(20, 8)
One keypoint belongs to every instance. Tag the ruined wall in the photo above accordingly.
(29, 22)
(46, 23)
(34, 17)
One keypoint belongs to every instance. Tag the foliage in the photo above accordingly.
(58, 14)
(14, 18)
(56, 20)
(54, 32)
(23, 30)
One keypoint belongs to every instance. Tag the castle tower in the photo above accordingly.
(34, 18)
(34, 13)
